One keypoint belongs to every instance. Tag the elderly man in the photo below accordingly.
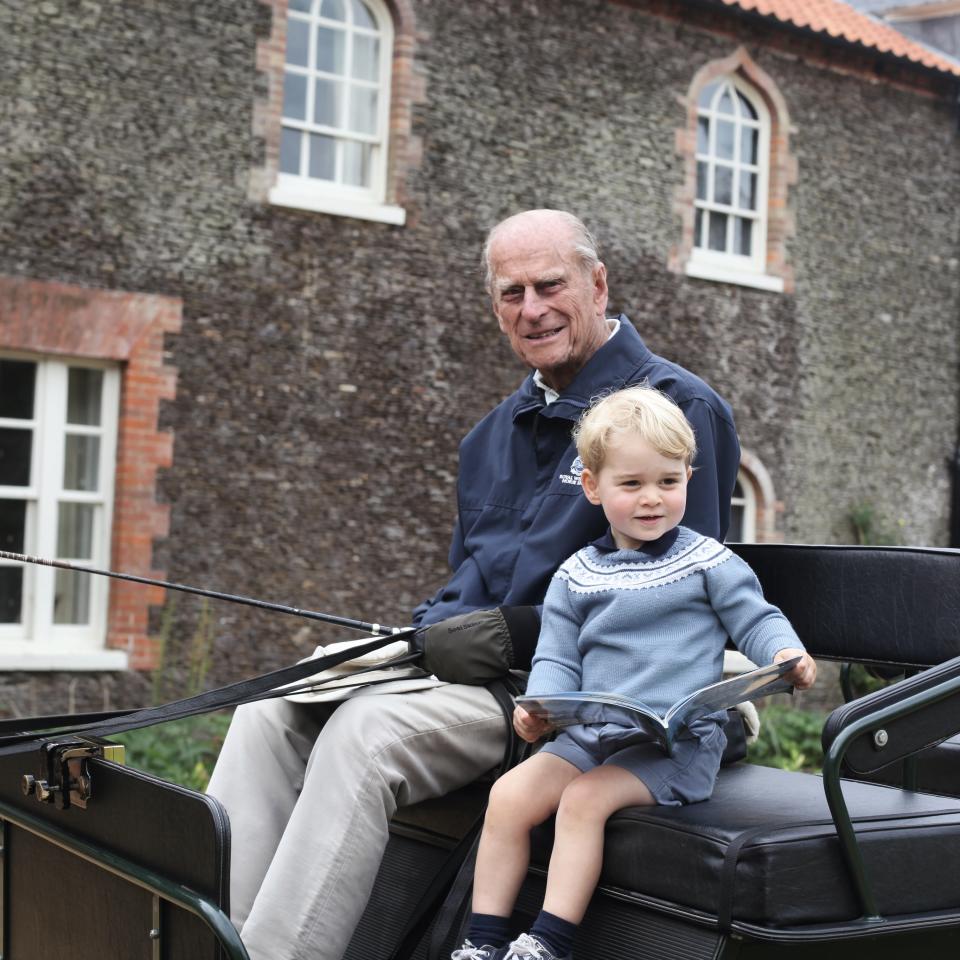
(310, 789)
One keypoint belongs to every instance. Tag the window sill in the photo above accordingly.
(337, 205)
(50, 660)
(743, 278)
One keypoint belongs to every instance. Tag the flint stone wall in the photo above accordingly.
(329, 366)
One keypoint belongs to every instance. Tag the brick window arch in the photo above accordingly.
(754, 505)
(79, 332)
(738, 169)
(335, 120)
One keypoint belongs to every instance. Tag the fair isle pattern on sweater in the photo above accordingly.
(588, 571)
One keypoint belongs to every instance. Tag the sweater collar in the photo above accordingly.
(652, 548)
(613, 366)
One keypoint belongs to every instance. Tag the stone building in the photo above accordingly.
(243, 325)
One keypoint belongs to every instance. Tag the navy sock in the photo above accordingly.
(555, 933)
(487, 930)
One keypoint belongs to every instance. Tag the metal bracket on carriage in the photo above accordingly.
(65, 779)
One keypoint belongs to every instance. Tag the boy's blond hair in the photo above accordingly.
(642, 411)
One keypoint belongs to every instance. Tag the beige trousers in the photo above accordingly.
(310, 790)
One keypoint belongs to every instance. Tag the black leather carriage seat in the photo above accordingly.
(764, 850)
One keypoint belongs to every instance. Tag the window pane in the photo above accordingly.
(722, 184)
(333, 10)
(726, 103)
(84, 390)
(746, 107)
(13, 521)
(11, 594)
(356, 164)
(703, 135)
(323, 157)
(698, 228)
(298, 42)
(330, 50)
(290, 151)
(748, 145)
(303, 6)
(706, 94)
(748, 190)
(742, 232)
(718, 232)
(326, 105)
(363, 110)
(295, 96)
(724, 145)
(702, 171)
(17, 378)
(362, 16)
(366, 57)
(81, 464)
(735, 530)
(75, 531)
(15, 448)
(71, 602)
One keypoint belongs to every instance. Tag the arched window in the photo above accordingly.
(733, 203)
(743, 511)
(733, 150)
(333, 149)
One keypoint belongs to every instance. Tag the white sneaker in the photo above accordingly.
(526, 947)
(469, 952)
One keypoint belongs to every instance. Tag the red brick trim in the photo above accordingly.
(407, 88)
(782, 170)
(769, 508)
(54, 318)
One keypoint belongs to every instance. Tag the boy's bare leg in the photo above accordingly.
(586, 805)
(519, 800)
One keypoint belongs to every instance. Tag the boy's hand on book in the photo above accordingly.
(804, 673)
(528, 726)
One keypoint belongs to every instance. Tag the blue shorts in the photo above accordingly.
(686, 777)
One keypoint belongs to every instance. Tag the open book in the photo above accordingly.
(567, 709)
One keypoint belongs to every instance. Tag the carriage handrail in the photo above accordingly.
(833, 759)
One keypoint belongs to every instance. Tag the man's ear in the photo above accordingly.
(600, 292)
(689, 472)
(589, 483)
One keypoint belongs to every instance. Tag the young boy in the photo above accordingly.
(644, 611)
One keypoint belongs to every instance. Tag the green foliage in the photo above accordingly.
(789, 739)
(183, 751)
(870, 527)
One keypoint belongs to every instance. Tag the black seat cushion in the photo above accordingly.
(764, 850)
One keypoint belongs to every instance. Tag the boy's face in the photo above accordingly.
(642, 492)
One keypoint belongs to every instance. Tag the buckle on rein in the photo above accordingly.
(64, 778)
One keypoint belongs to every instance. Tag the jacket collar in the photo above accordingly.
(613, 366)
(652, 548)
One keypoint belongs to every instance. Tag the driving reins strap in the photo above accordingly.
(21, 733)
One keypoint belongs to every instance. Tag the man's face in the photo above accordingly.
(548, 304)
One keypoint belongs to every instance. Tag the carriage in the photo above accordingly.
(103, 862)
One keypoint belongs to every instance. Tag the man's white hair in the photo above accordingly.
(584, 244)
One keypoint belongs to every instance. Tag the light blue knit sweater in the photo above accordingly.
(652, 625)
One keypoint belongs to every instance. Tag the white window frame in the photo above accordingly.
(325, 196)
(38, 643)
(723, 266)
(734, 662)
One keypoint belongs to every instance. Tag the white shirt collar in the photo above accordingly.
(549, 394)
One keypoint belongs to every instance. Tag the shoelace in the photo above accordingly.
(526, 947)
(469, 952)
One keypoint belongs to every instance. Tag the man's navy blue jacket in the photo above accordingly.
(521, 510)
